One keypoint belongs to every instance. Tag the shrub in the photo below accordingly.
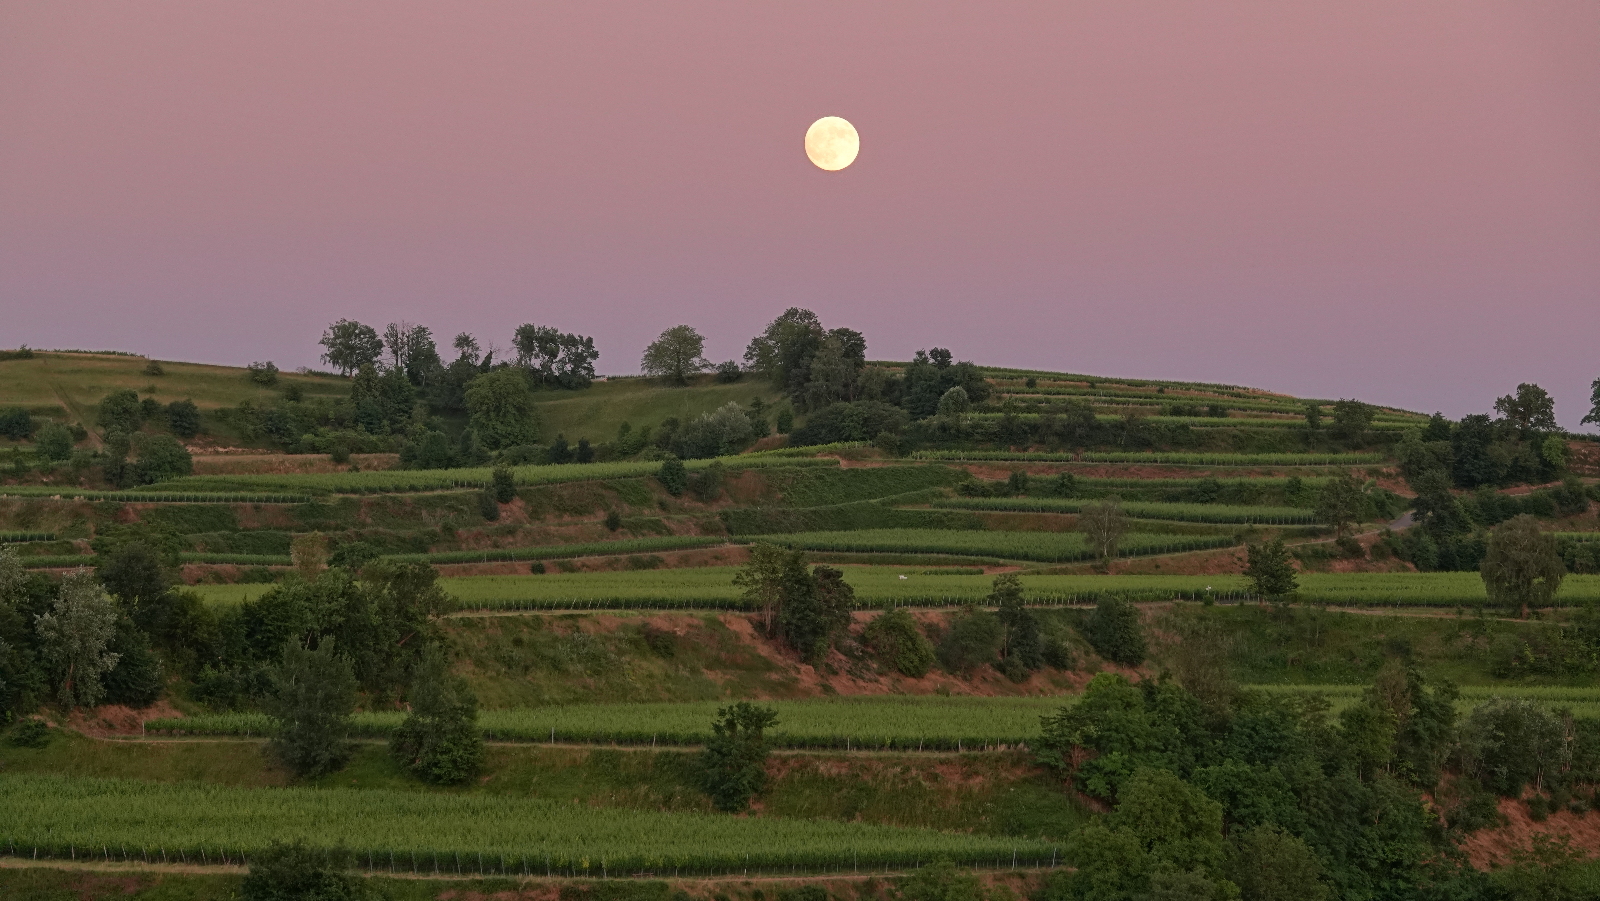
(341, 451)
(353, 555)
(941, 881)
(161, 457)
(972, 640)
(153, 368)
(295, 872)
(488, 505)
(53, 441)
(672, 476)
(16, 424)
(439, 742)
(894, 639)
(729, 372)
(733, 764)
(613, 520)
(263, 373)
(706, 485)
(120, 411)
(183, 418)
(1115, 633)
(29, 734)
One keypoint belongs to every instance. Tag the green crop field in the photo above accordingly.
(137, 496)
(863, 723)
(556, 551)
(712, 588)
(1157, 459)
(1043, 547)
(425, 832)
(1212, 513)
(820, 486)
(1583, 702)
(411, 480)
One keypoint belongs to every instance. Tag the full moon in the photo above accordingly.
(832, 143)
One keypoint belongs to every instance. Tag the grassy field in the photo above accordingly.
(1211, 513)
(598, 411)
(1157, 459)
(875, 586)
(414, 480)
(79, 381)
(1043, 547)
(400, 831)
(861, 723)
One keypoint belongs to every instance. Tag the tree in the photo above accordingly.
(160, 457)
(972, 639)
(1313, 415)
(439, 742)
(351, 345)
(773, 578)
(466, 348)
(501, 410)
(74, 637)
(309, 554)
(1593, 417)
(1103, 525)
(183, 418)
(953, 407)
(264, 374)
(1531, 409)
(120, 411)
(16, 423)
(505, 484)
(676, 355)
(733, 764)
(809, 620)
(1522, 567)
(1351, 418)
(1269, 864)
(894, 639)
(1341, 503)
(673, 476)
(314, 693)
(134, 574)
(555, 358)
(1114, 631)
(1021, 647)
(1269, 570)
(53, 440)
(783, 351)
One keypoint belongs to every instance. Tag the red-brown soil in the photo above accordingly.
(1490, 847)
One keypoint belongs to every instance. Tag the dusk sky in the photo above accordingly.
(1395, 201)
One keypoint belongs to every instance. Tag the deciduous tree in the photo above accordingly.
(501, 409)
(1522, 567)
(1103, 525)
(1269, 571)
(74, 637)
(676, 355)
(314, 693)
(349, 345)
(1530, 409)
(733, 764)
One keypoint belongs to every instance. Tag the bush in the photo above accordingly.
(16, 424)
(706, 485)
(613, 520)
(941, 881)
(488, 506)
(733, 766)
(53, 441)
(29, 734)
(265, 374)
(673, 476)
(505, 485)
(1115, 633)
(161, 457)
(295, 872)
(153, 368)
(972, 640)
(729, 372)
(120, 411)
(340, 453)
(353, 555)
(896, 642)
(439, 742)
(183, 418)
(861, 420)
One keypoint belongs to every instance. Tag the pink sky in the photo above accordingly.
(1399, 201)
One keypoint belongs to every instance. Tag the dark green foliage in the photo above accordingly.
(971, 640)
(350, 345)
(29, 734)
(555, 359)
(942, 881)
(16, 424)
(861, 420)
(1270, 573)
(265, 374)
(1021, 645)
(1351, 418)
(53, 441)
(501, 409)
(1509, 744)
(897, 643)
(352, 555)
(673, 476)
(1268, 864)
(136, 680)
(488, 507)
(120, 411)
(613, 520)
(733, 764)
(135, 574)
(429, 450)
(439, 742)
(1115, 633)
(706, 485)
(505, 485)
(728, 372)
(313, 695)
(183, 418)
(1522, 567)
(810, 620)
(783, 420)
(296, 872)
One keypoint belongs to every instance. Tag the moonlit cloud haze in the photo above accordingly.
(1398, 201)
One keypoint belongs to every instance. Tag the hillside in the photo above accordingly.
(1048, 542)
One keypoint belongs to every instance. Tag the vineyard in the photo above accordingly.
(1209, 513)
(1159, 459)
(425, 833)
(1043, 547)
(906, 723)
